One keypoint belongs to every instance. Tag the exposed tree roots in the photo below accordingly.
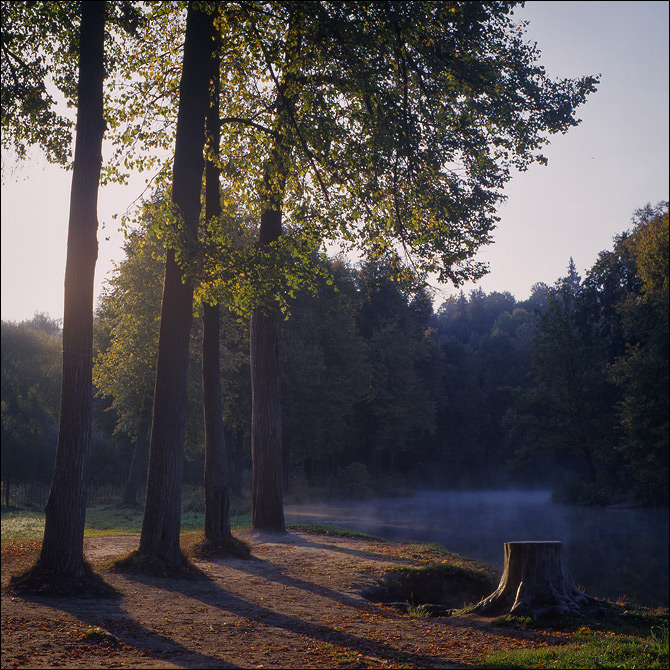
(38, 580)
(535, 582)
(228, 547)
(149, 564)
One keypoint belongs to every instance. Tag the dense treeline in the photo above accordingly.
(568, 388)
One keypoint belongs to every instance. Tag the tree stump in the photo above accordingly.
(535, 582)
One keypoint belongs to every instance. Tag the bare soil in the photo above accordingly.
(297, 603)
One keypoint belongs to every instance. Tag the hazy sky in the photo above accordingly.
(614, 162)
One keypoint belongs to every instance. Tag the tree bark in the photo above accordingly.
(217, 491)
(62, 547)
(266, 417)
(266, 426)
(535, 582)
(162, 514)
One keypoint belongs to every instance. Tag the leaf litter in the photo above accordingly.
(297, 603)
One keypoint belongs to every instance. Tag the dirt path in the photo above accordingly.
(296, 604)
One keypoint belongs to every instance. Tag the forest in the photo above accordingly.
(383, 393)
(232, 347)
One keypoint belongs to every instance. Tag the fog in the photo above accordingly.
(610, 552)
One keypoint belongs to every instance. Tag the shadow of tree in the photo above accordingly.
(259, 616)
(110, 615)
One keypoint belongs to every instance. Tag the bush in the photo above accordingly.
(354, 481)
(581, 492)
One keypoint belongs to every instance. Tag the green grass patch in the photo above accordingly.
(113, 520)
(447, 584)
(334, 531)
(615, 618)
(592, 649)
(20, 525)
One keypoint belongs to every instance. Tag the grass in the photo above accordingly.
(592, 649)
(20, 525)
(418, 611)
(622, 637)
(334, 531)
(445, 584)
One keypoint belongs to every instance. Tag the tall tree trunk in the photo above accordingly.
(62, 548)
(266, 417)
(217, 492)
(162, 512)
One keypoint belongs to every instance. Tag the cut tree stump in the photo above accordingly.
(535, 582)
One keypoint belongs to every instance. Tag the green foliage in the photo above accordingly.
(578, 491)
(39, 71)
(128, 318)
(39, 43)
(31, 378)
(389, 127)
(642, 370)
(323, 367)
(600, 356)
(244, 275)
(567, 407)
(436, 103)
(354, 482)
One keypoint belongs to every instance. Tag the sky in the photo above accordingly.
(599, 173)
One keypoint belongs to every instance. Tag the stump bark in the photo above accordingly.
(535, 582)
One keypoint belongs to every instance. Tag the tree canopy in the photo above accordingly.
(389, 128)
(39, 71)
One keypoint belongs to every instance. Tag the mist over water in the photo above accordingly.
(610, 553)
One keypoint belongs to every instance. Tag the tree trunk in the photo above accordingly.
(62, 547)
(266, 418)
(535, 582)
(266, 426)
(162, 513)
(137, 472)
(267, 494)
(217, 492)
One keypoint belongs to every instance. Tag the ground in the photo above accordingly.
(296, 603)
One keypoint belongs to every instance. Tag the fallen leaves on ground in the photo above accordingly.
(296, 604)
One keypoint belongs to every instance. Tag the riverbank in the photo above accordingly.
(297, 603)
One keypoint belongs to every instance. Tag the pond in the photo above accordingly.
(610, 553)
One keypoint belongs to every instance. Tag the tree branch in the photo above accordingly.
(248, 122)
